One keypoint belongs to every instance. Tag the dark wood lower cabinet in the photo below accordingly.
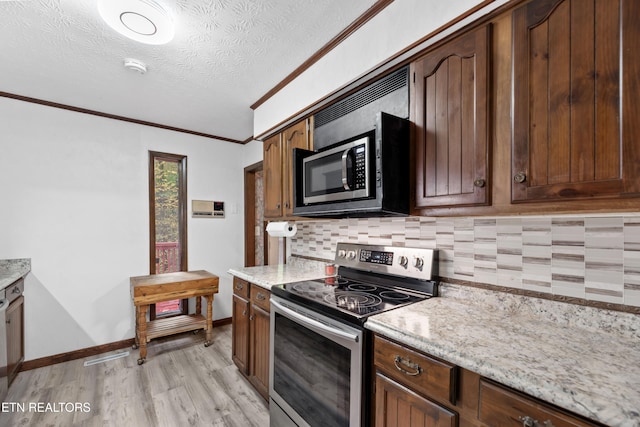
(415, 389)
(399, 406)
(259, 355)
(251, 333)
(15, 337)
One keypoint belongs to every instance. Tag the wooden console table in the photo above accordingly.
(147, 290)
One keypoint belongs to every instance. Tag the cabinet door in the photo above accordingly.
(272, 166)
(575, 127)
(259, 355)
(452, 151)
(398, 406)
(15, 337)
(294, 137)
(240, 333)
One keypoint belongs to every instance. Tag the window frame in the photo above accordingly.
(182, 218)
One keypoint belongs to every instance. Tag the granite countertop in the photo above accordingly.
(583, 359)
(12, 270)
(295, 270)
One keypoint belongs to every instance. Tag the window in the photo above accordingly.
(167, 222)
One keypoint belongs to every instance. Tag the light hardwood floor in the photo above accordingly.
(182, 383)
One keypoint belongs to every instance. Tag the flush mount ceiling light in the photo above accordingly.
(144, 21)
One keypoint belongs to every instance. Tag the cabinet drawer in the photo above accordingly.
(426, 375)
(260, 297)
(502, 407)
(241, 287)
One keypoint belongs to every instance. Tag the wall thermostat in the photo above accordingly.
(207, 209)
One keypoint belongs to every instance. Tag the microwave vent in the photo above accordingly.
(371, 93)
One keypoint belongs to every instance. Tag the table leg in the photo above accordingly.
(137, 343)
(142, 333)
(209, 327)
(199, 305)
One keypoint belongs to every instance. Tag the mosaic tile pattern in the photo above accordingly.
(596, 258)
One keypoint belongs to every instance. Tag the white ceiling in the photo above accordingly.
(225, 56)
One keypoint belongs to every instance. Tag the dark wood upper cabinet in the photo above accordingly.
(451, 105)
(575, 112)
(278, 169)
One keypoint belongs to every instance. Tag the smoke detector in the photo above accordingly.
(145, 21)
(135, 65)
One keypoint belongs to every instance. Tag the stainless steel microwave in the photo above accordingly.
(365, 175)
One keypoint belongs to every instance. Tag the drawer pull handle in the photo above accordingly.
(415, 368)
(244, 312)
(239, 286)
(260, 296)
(527, 421)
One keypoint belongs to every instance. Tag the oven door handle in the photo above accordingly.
(311, 323)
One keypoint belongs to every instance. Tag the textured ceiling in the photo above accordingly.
(226, 54)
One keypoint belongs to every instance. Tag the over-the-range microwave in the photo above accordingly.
(365, 175)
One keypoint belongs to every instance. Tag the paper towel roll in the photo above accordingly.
(281, 229)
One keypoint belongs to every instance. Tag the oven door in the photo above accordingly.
(316, 369)
(339, 173)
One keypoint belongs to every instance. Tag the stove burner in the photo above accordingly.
(396, 296)
(353, 301)
(340, 281)
(362, 287)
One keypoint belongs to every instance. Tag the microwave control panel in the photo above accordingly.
(360, 163)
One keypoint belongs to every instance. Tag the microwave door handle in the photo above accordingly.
(345, 180)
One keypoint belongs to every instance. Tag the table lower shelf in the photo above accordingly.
(175, 325)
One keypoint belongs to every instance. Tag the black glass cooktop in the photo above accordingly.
(352, 299)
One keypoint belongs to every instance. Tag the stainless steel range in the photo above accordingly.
(320, 350)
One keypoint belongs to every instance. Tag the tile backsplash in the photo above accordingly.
(596, 258)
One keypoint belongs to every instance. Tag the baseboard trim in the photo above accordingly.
(91, 351)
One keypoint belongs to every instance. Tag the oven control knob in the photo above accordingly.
(418, 263)
(342, 253)
(404, 261)
(351, 255)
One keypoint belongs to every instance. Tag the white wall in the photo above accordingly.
(398, 26)
(74, 199)
(252, 153)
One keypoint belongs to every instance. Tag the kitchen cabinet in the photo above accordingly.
(406, 385)
(240, 325)
(575, 88)
(450, 94)
(251, 333)
(278, 170)
(414, 388)
(259, 334)
(15, 337)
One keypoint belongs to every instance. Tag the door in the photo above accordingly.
(272, 158)
(316, 367)
(452, 150)
(575, 130)
(398, 406)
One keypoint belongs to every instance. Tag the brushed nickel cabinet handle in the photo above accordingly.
(251, 317)
(415, 368)
(260, 296)
(479, 183)
(244, 312)
(239, 286)
(520, 177)
(527, 421)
